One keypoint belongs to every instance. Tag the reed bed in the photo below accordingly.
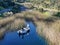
(47, 26)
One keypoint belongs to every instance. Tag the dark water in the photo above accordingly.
(12, 38)
(6, 10)
(22, 8)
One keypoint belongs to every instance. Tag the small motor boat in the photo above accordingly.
(24, 30)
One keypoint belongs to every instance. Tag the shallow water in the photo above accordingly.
(12, 38)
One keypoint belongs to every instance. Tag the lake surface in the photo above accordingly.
(12, 38)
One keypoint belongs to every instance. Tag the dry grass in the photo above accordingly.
(17, 24)
(51, 32)
(47, 29)
(11, 23)
(50, 28)
(6, 20)
(2, 33)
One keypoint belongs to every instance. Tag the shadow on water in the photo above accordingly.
(30, 38)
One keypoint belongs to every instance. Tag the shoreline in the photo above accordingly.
(45, 28)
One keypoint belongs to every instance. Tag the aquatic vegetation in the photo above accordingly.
(10, 24)
(50, 31)
(2, 33)
(43, 16)
(46, 27)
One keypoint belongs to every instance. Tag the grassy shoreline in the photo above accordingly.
(47, 26)
(11, 23)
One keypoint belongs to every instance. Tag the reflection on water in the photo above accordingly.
(31, 38)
